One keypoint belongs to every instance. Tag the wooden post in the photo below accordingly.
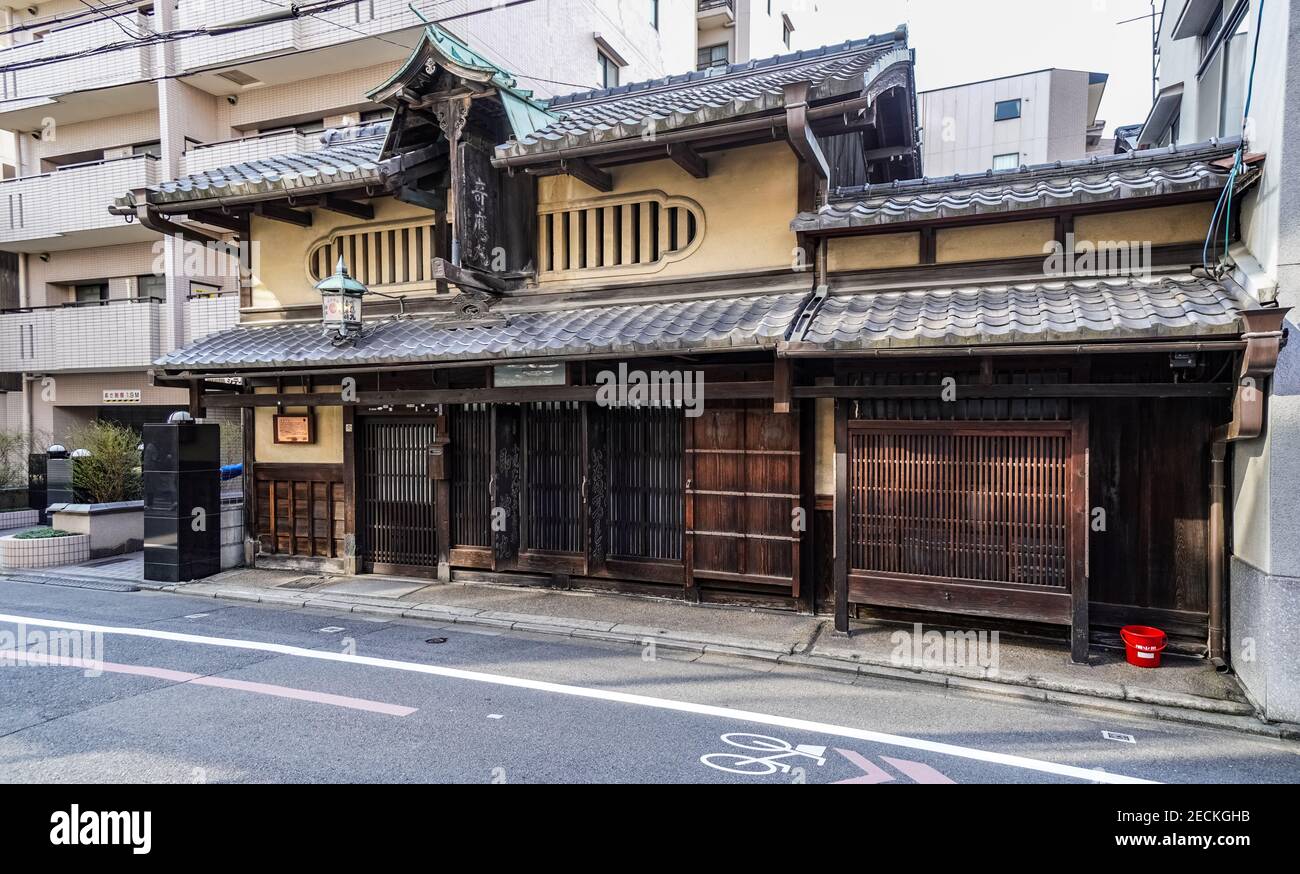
(781, 382)
(1079, 512)
(688, 471)
(442, 501)
(841, 553)
(349, 490)
(805, 583)
(248, 422)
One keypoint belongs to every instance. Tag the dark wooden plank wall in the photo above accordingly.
(1150, 474)
(299, 509)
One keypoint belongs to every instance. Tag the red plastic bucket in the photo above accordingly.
(1142, 645)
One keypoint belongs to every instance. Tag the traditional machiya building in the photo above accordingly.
(709, 337)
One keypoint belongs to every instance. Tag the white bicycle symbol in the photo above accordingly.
(778, 750)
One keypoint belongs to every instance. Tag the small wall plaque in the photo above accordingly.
(295, 428)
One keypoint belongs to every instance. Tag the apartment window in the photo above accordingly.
(1008, 161)
(1005, 110)
(154, 149)
(1236, 69)
(654, 14)
(607, 70)
(374, 115)
(711, 56)
(90, 293)
(151, 285)
(1211, 32)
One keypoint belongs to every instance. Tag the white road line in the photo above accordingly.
(1011, 761)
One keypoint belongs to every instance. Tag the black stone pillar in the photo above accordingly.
(182, 501)
(58, 479)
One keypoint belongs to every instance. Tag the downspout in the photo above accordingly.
(1265, 337)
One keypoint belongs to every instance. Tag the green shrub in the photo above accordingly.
(41, 533)
(13, 460)
(112, 471)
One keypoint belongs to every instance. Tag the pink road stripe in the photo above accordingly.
(306, 695)
(919, 772)
(218, 682)
(872, 772)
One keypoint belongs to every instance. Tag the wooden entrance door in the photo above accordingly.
(396, 530)
(742, 493)
(552, 488)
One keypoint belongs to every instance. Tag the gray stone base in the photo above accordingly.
(1264, 639)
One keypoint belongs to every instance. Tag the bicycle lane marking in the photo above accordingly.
(1008, 759)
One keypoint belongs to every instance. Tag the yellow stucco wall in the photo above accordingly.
(876, 252)
(1161, 225)
(986, 242)
(328, 448)
(280, 275)
(748, 200)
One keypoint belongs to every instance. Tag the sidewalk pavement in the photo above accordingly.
(1182, 689)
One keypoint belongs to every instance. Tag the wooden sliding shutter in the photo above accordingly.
(743, 485)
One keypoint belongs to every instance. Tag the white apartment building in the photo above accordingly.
(98, 104)
(735, 31)
(1001, 124)
(1205, 52)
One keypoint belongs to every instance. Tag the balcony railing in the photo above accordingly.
(118, 333)
(101, 70)
(210, 314)
(318, 30)
(70, 199)
(709, 7)
(209, 156)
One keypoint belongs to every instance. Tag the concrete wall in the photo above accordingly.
(961, 135)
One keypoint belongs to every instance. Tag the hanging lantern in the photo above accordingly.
(341, 302)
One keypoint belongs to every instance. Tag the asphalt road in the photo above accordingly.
(179, 689)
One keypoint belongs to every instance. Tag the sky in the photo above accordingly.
(960, 41)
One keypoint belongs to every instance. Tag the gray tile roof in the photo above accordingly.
(1098, 178)
(710, 324)
(1074, 310)
(346, 155)
(711, 95)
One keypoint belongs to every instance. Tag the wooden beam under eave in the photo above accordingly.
(352, 208)
(585, 171)
(283, 214)
(689, 160)
(235, 223)
(781, 383)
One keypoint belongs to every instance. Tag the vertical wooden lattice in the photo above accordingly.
(553, 473)
(396, 501)
(646, 514)
(960, 505)
(471, 473)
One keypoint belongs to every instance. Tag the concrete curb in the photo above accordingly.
(1105, 697)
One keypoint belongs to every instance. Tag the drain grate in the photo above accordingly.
(300, 583)
(74, 583)
(115, 559)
